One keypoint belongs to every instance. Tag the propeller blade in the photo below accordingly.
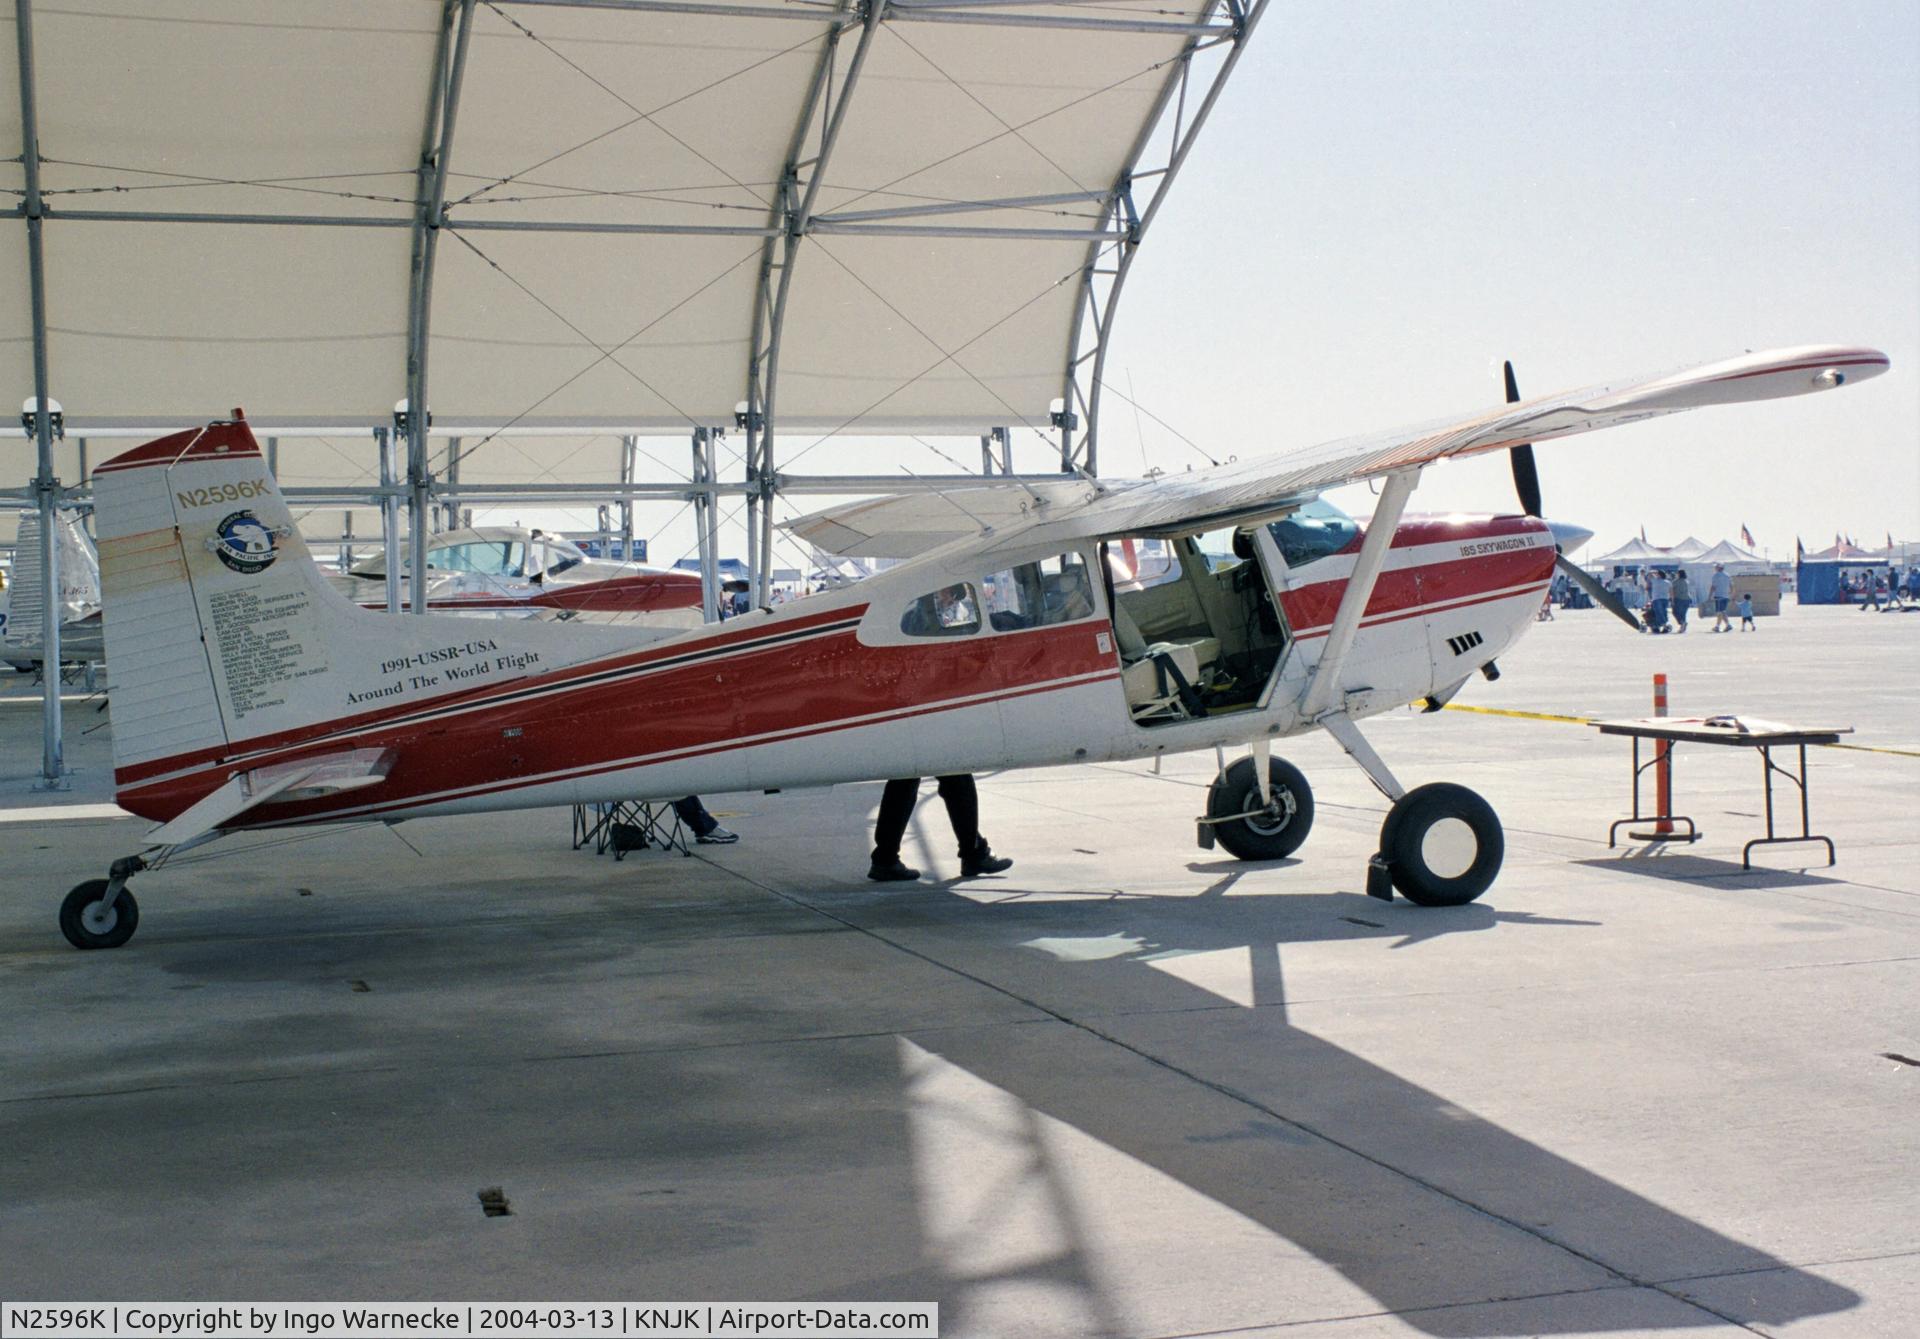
(1526, 478)
(1526, 482)
(1603, 597)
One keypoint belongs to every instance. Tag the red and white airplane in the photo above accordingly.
(248, 694)
(504, 571)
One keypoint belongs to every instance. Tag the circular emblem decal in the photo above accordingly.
(245, 544)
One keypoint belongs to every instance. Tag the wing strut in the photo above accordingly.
(1325, 683)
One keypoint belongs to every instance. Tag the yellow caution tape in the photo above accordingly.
(1869, 748)
(1589, 720)
(1522, 715)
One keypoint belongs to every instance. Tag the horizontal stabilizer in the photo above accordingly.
(305, 779)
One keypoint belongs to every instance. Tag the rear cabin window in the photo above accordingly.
(951, 611)
(1054, 590)
(1141, 564)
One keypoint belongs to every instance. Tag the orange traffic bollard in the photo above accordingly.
(1663, 770)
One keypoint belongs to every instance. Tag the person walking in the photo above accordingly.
(1746, 614)
(1659, 591)
(963, 811)
(1682, 598)
(1720, 591)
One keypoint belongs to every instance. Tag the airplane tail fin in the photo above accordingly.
(226, 644)
(196, 545)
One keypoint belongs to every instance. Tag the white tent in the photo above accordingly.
(1735, 558)
(1633, 553)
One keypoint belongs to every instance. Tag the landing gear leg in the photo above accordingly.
(1261, 808)
(1441, 845)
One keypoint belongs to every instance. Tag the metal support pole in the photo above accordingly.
(346, 542)
(629, 454)
(46, 486)
(996, 452)
(390, 524)
(753, 520)
(450, 518)
(710, 575)
(705, 523)
(436, 147)
(794, 215)
(419, 483)
(273, 458)
(764, 594)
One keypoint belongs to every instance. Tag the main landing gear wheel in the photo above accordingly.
(1257, 830)
(88, 921)
(1442, 844)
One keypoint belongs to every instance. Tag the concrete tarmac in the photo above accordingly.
(1128, 1088)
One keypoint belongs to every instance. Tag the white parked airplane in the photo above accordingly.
(249, 694)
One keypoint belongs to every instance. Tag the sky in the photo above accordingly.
(1393, 197)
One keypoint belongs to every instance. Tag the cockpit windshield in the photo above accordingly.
(1313, 532)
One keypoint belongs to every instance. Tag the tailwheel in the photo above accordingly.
(1252, 828)
(1442, 845)
(89, 919)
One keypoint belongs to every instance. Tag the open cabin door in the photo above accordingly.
(1200, 634)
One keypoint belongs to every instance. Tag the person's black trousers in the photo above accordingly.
(896, 807)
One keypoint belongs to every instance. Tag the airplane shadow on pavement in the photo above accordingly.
(1432, 1210)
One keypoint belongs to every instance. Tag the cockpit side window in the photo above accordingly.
(1313, 532)
(1054, 590)
(951, 611)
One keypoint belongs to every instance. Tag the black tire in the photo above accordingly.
(1403, 841)
(1262, 832)
(109, 927)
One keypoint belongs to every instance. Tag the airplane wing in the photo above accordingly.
(1269, 485)
(906, 524)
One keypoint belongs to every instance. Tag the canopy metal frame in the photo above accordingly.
(1108, 265)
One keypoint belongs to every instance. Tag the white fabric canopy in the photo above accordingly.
(173, 135)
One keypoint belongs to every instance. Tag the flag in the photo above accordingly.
(1799, 550)
(1643, 534)
(1746, 536)
(1889, 542)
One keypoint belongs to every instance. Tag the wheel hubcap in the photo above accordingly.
(1273, 818)
(99, 918)
(1449, 848)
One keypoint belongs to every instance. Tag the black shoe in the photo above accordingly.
(892, 871)
(983, 861)
(717, 837)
